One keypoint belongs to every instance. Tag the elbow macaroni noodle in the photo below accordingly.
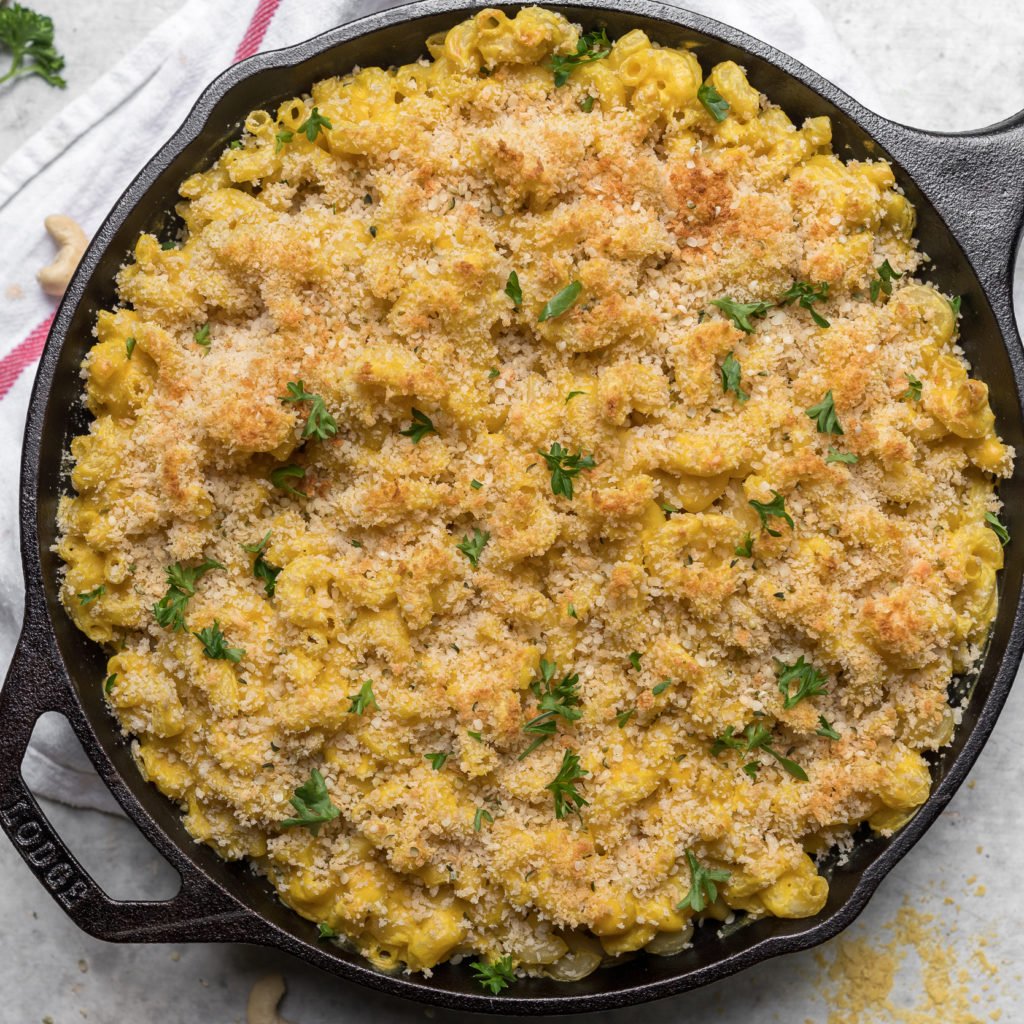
(365, 253)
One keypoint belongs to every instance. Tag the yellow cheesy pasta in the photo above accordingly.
(533, 505)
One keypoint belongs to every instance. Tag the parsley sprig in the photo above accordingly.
(312, 125)
(564, 467)
(436, 760)
(703, 888)
(89, 596)
(513, 289)
(279, 478)
(473, 547)
(215, 644)
(993, 522)
(824, 415)
(29, 37)
(421, 425)
(882, 282)
(320, 423)
(568, 800)
(777, 508)
(809, 681)
(755, 737)
(826, 729)
(741, 313)
(713, 102)
(914, 386)
(169, 611)
(496, 976)
(312, 804)
(591, 46)
(554, 701)
(731, 374)
(261, 568)
(362, 700)
(807, 295)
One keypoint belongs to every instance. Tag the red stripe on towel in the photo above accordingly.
(257, 29)
(22, 355)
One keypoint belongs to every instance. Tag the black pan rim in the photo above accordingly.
(409, 987)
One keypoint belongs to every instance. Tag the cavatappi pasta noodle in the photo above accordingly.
(534, 504)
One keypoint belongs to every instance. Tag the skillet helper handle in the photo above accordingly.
(976, 180)
(200, 911)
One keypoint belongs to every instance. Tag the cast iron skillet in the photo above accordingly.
(969, 195)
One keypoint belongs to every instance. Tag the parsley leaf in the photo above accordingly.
(992, 521)
(740, 313)
(473, 547)
(826, 729)
(363, 699)
(807, 295)
(282, 138)
(882, 283)
(913, 392)
(810, 682)
(703, 890)
(624, 716)
(586, 104)
(755, 737)
(591, 46)
(713, 102)
(109, 683)
(169, 611)
(495, 977)
(312, 804)
(954, 304)
(202, 336)
(513, 291)
(214, 646)
(436, 760)
(325, 931)
(419, 428)
(90, 595)
(568, 800)
(261, 568)
(564, 467)
(573, 394)
(312, 125)
(776, 507)
(834, 455)
(475, 484)
(661, 687)
(634, 659)
(320, 423)
(129, 347)
(554, 701)
(29, 37)
(480, 817)
(279, 478)
(824, 415)
(731, 373)
(561, 303)
(746, 549)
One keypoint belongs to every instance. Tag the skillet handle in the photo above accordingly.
(201, 911)
(976, 180)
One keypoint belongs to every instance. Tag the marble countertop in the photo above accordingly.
(940, 940)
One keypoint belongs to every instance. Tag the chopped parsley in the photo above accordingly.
(586, 104)
(554, 701)
(312, 804)
(731, 373)
(572, 610)
(807, 295)
(109, 683)
(809, 681)
(475, 484)
(419, 428)
(834, 455)
(824, 415)
(496, 976)
(471, 733)
(954, 304)
(564, 467)
(740, 313)
(993, 523)
(473, 547)
(573, 394)
(215, 646)
(560, 303)
(202, 336)
(169, 611)
(279, 478)
(325, 931)
(661, 687)
(624, 716)
(568, 799)
(480, 817)
(746, 548)
(591, 46)
(312, 125)
(634, 659)
(777, 508)
(320, 423)
(755, 737)
(513, 290)
(493, 373)
(261, 568)
(826, 729)
(91, 595)
(713, 102)
(882, 282)
(282, 138)
(913, 392)
(703, 890)
(129, 347)
(362, 700)
(436, 760)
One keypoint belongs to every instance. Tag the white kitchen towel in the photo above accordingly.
(81, 161)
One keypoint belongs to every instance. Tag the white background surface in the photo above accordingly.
(939, 64)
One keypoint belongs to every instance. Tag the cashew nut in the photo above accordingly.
(263, 1000)
(72, 241)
